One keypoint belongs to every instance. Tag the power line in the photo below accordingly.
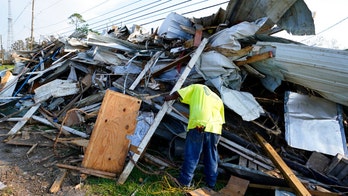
(128, 11)
(141, 17)
(156, 20)
(101, 24)
(328, 28)
(89, 10)
(22, 12)
(53, 4)
(125, 12)
(102, 3)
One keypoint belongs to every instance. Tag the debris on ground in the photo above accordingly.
(98, 101)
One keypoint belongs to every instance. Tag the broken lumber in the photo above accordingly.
(92, 172)
(255, 58)
(294, 182)
(59, 181)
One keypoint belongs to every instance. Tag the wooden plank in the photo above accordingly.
(235, 186)
(198, 35)
(294, 182)
(313, 192)
(338, 168)
(59, 181)
(318, 162)
(93, 172)
(255, 58)
(108, 145)
(129, 167)
(243, 161)
(26, 117)
(147, 67)
(203, 192)
(252, 165)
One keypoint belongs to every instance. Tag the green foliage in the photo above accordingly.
(76, 19)
(138, 183)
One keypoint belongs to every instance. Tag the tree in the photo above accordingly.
(81, 27)
(18, 45)
(76, 19)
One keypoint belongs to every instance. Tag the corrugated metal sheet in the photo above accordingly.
(322, 70)
(291, 15)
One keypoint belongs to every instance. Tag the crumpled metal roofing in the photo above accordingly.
(322, 70)
(290, 15)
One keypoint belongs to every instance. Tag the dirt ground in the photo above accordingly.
(32, 172)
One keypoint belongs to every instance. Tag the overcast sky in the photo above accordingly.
(51, 16)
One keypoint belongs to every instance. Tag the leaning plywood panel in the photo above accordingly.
(108, 145)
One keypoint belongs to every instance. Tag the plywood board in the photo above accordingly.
(235, 186)
(109, 145)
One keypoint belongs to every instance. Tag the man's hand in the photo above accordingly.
(173, 96)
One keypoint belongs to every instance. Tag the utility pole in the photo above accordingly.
(9, 28)
(32, 26)
(2, 51)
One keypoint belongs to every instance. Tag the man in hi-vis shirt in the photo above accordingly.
(204, 130)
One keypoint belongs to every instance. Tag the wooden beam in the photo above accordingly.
(93, 172)
(59, 181)
(255, 58)
(198, 35)
(129, 167)
(294, 182)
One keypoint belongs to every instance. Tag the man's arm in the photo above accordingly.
(173, 96)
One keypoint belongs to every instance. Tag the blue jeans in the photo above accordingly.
(196, 142)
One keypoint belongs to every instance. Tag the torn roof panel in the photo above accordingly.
(314, 124)
(322, 70)
(291, 15)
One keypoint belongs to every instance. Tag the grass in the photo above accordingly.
(140, 183)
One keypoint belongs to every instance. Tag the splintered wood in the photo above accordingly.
(108, 145)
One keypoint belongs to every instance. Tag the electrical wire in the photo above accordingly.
(149, 14)
(22, 12)
(120, 14)
(127, 14)
(158, 14)
(328, 28)
(140, 18)
(156, 20)
(55, 3)
(91, 18)
(128, 11)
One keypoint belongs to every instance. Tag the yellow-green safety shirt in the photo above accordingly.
(206, 108)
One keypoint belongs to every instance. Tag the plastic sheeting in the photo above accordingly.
(314, 124)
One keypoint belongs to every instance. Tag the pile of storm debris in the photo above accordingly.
(285, 102)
